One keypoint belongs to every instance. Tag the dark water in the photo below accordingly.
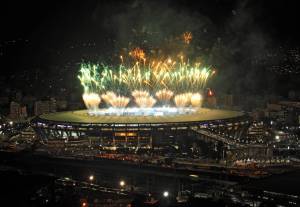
(17, 189)
(287, 183)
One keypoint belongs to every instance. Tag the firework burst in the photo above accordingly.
(175, 76)
(108, 97)
(138, 94)
(196, 100)
(181, 100)
(164, 95)
(120, 102)
(187, 37)
(91, 100)
(145, 101)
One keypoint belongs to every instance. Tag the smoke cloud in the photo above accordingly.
(228, 45)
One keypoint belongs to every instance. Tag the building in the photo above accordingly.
(61, 104)
(17, 111)
(258, 133)
(28, 134)
(225, 101)
(44, 107)
(228, 100)
(257, 114)
(287, 112)
(129, 131)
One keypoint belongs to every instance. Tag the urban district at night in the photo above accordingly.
(135, 103)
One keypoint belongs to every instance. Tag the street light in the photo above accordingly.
(122, 183)
(91, 178)
(166, 194)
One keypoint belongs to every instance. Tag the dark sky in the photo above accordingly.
(26, 18)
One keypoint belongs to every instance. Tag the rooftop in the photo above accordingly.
(81, 116)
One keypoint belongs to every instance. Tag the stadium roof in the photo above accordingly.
(81, 116)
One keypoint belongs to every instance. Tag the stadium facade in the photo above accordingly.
(135, 131)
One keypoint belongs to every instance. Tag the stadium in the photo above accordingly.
(144, 102)
(132, 130)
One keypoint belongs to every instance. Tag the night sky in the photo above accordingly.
(30, 18)
(42, 39)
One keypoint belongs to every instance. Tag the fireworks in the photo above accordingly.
(113, 100)
(164, 95)
(145, 101)
(108, 97)
(188, 97)
(157, 75)
(181, 100)
(138, 54)
(120, 102)
(89, 78)
(187, 37)
(143, 79)
(138, 94)
(91, 100)
(196, 100)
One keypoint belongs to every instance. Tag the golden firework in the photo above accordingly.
(196, 100)
(164, 95)
(187, 37)
(138, 54)
(181, 100)
(145, 101)
(91, 100)
(120, 102)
